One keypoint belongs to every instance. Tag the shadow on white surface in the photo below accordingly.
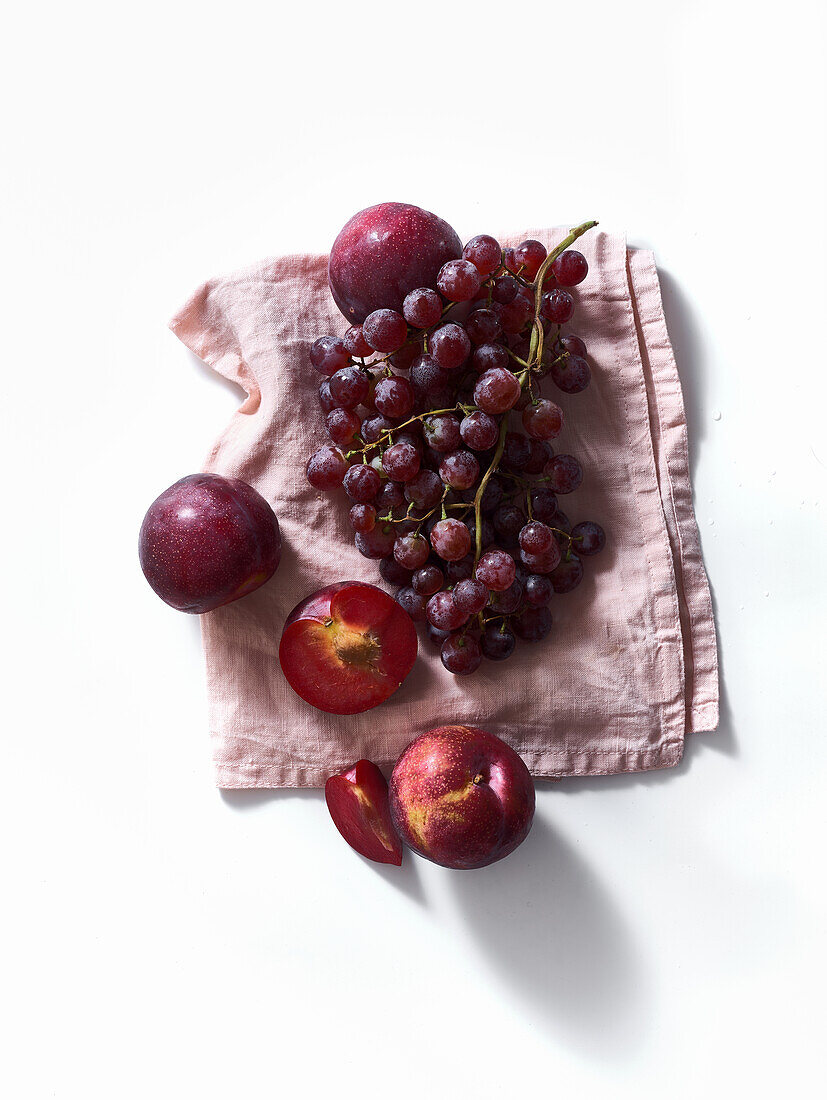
(685, 336)
(552, 933)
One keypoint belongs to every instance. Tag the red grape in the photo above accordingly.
(484, 253)
(393, 573)
(422, 308)
(355, 343)
(471, 596)
(543, 505)
(483, 327)
(441, 432)
(456, 571)
(443, 613)
(349, 387)
(564, 473)
(537, 590)
(461, 654)
(589, 537)
(479, 431)
(504, 289)
(496, 570)
(527, 258)
(496, 391)
(326, 468)
(487, 356)
(411, 551)
(362, 483)
(328, 355)
(428, 376)
(458, 281)
(376, 543)
(375, 426)
(428, 580)
(385, 330)
(509, 520)
(394, 397)
(543, 419)
(497, 642)
(536, 538)
(451, 539)
(424, 490)
(326, 397)
(412, 602)
(342, 425)
(540, 454)
(401, 462)
(533, 624)
(459, 469)
(570, 373)
(449, 345)
(362, 517)
(557, 306)
(516, 452)
(567, 575)
(570, 268)
(507, 601)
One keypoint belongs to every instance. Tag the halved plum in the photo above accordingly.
(347, 648)
(359, 805)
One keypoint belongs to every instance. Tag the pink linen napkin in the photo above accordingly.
(631, 664)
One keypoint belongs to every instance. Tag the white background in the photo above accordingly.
(659, 935)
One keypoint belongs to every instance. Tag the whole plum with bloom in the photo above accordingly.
(385, 252)
(461, 797)
(207, 541)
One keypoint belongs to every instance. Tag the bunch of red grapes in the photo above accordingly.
(441, 438)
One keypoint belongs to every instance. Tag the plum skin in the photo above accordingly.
(208, 540)
(461, 797)
(383, 253)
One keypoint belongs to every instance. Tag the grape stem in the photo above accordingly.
(486, 478)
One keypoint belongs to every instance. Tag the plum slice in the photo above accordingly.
(360, 808)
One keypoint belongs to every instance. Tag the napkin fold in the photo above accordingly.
(631, 664)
